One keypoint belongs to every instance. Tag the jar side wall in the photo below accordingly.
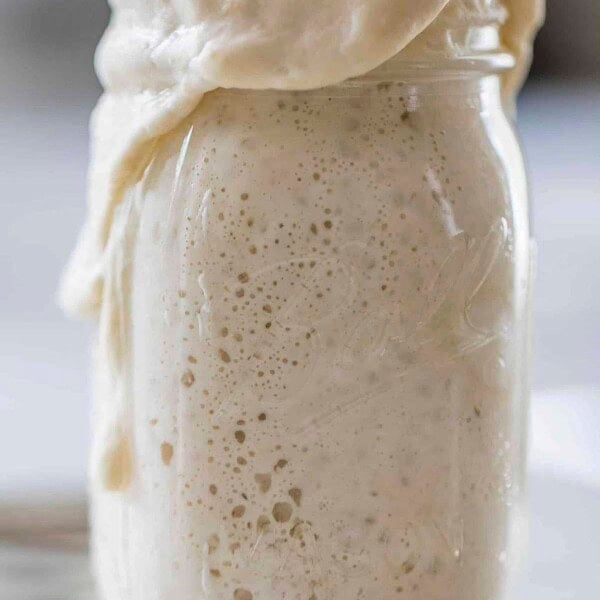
(503, 139)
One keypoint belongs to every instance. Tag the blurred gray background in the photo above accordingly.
(47, 89)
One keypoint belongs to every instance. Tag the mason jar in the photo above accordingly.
(312, 353)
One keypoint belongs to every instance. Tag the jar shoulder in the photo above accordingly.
(452, 159)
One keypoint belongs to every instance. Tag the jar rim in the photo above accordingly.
(442, 68)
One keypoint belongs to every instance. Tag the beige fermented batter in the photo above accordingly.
(317, 376)
(308, 354)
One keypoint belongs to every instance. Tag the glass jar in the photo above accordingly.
(312, 354)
